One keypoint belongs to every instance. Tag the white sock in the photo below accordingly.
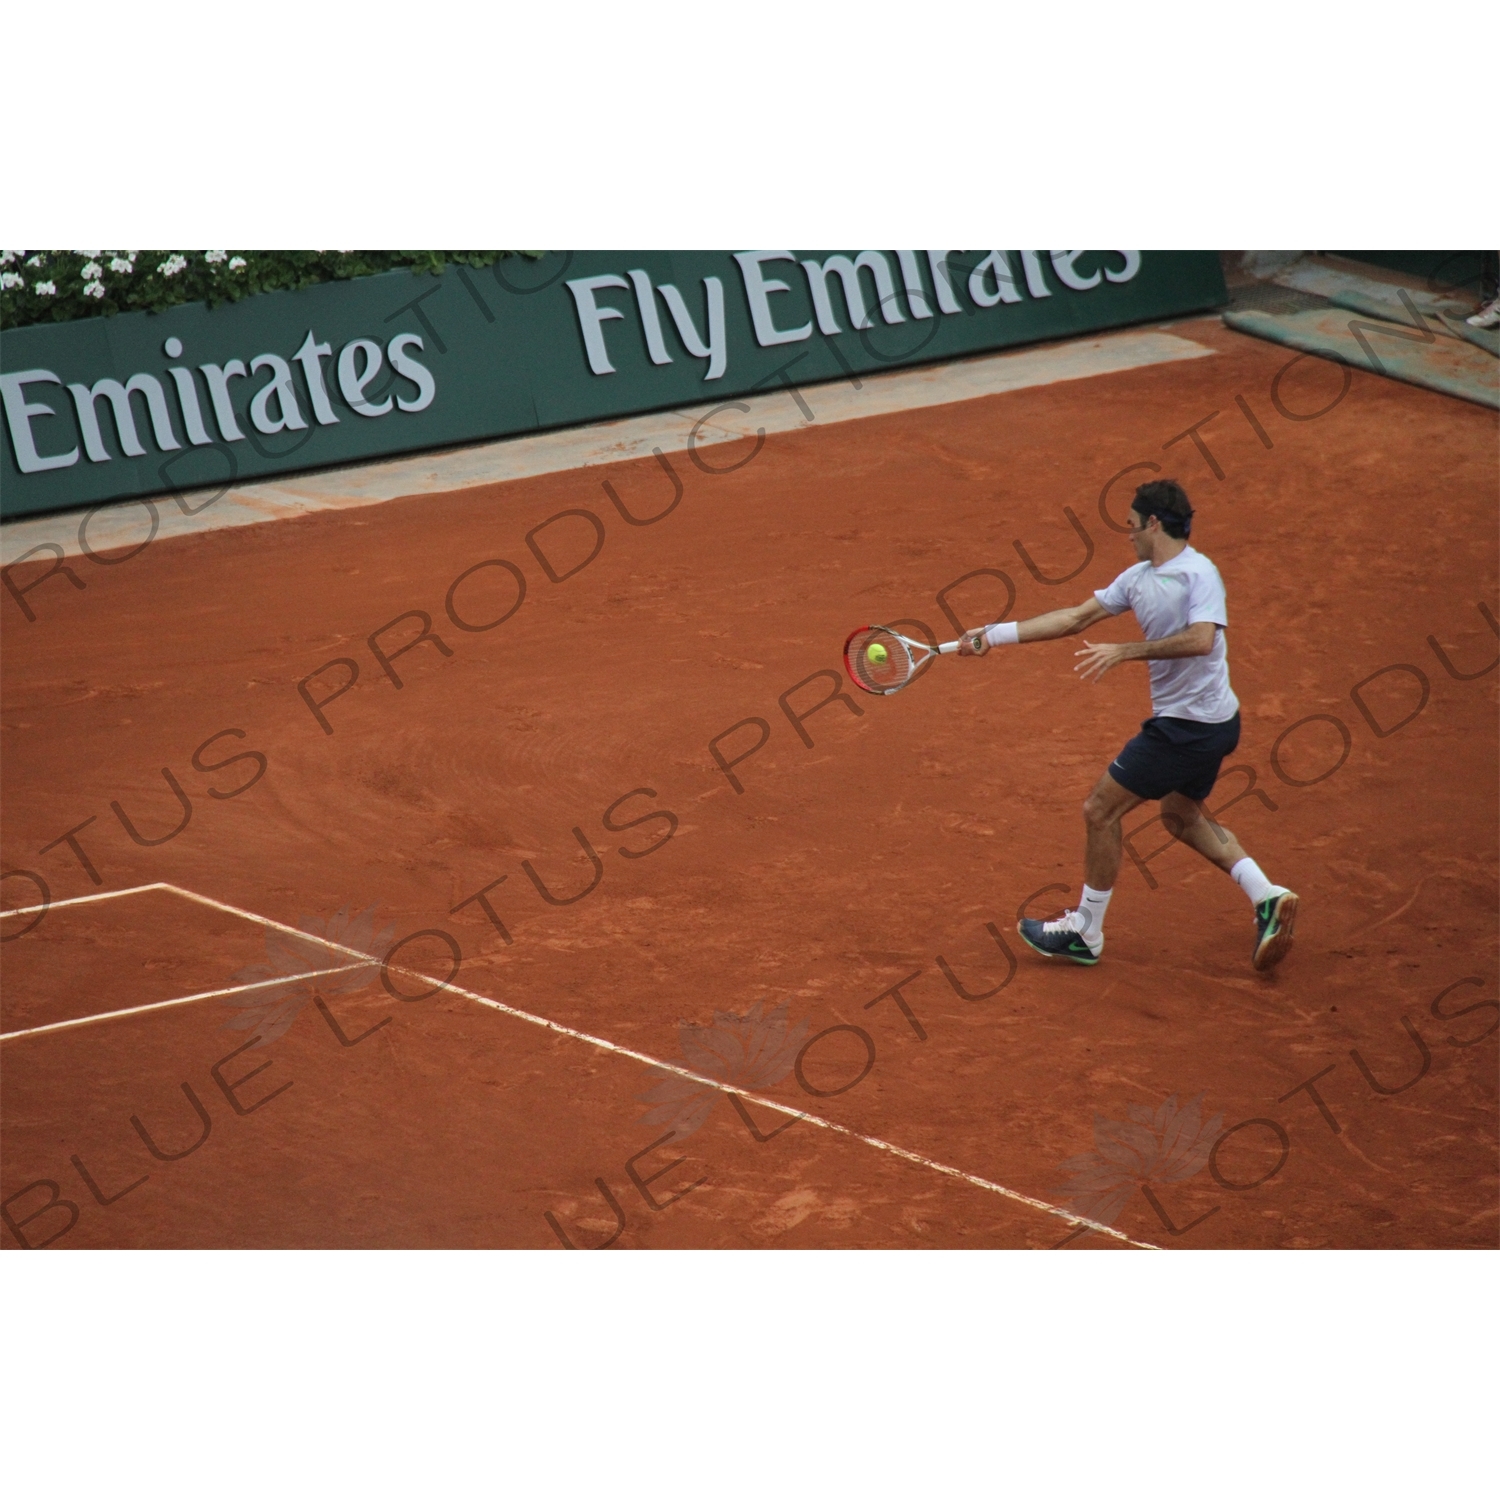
(1092, 905)
(1252, 881)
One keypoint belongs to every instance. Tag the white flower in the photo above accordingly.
(121, 267)
(132, 255)
(213, 257)
(172, 265)
(90, 254)
(46, 289)
(92, 271)
(270, 1008)
(9, 257)
(93, 289)
(9, 281)
(238, 263)
(1168, 1145)
(34, 260)
(754, 1050)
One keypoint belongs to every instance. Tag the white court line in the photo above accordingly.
(132, 890)
(607, 1046)
(136, 1010)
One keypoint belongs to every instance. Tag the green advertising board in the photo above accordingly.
(164, 403)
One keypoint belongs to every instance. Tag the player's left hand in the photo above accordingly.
(1097, 660)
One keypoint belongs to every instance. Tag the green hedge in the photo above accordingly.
(56, 286)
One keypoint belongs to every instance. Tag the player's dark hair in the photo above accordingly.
(1168, 502)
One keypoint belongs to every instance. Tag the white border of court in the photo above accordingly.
(367, 959)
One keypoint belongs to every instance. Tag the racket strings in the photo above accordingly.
(878, 660)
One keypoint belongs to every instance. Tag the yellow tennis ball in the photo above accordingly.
(877, 653)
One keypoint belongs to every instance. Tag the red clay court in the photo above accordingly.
(861, 864)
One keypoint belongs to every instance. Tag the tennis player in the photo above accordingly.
(1177, 597)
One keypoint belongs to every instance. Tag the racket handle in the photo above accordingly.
(947, 648)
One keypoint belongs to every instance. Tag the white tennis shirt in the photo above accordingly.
(1166, 600)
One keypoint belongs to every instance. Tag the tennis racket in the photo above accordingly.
(881, 660)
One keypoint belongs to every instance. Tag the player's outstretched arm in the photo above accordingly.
(1049, 627)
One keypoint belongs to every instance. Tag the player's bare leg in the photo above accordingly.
(1192, 824)
(1103, 846)
(1078, 935)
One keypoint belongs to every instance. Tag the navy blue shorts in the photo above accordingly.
(1175, 755)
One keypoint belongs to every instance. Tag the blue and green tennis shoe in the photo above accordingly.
(1063, 938)
(1274, 920)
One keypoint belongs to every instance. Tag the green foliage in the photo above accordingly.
(54, 286)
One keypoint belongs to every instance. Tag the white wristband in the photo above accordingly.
(1008, 634)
